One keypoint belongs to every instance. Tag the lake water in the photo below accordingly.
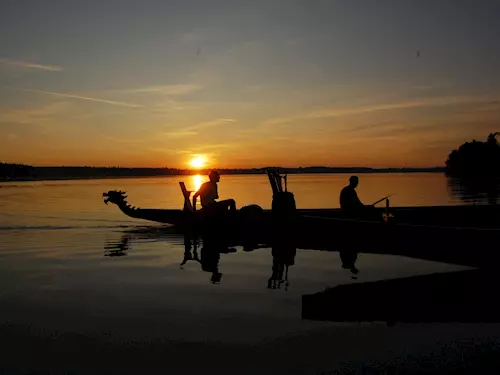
(56, 275)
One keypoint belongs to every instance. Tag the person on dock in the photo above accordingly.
(208, 194)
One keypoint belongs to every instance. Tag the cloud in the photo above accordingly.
(32, 115)
(169, 90)
(166, 150)
(79, 97)
(170, 106)
(212, 123)
(130, 141)
(339, 112)
(193, 129)
(217, 146)
(29, 65)
(179, 133)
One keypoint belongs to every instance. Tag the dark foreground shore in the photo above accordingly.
(460, 296)
(345, 349)
(105, 334)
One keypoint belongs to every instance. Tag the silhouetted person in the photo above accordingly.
(352, 206)
(349, 201)
(208, 193)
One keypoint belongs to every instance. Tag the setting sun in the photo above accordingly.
(198, 161)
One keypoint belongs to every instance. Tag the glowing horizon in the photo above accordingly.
(317, 84)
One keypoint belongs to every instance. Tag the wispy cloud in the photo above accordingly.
(170, 106)
(34, 115)
(212, 123)
(168, 90)
(29, 65)
(130, 141)
(78, 97)
(338, 112)
(179, 133)
(193, 129)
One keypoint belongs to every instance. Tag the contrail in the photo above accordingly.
(72, 96)
(29, 65)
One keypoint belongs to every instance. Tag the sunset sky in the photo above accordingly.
(246, 83)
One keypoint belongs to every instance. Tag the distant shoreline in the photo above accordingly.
(179, 173)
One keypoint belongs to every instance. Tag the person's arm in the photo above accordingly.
(356, 199)
(195, 196)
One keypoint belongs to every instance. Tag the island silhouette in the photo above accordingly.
(473, 170)
(475, 159)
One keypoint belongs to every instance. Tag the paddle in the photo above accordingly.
(380, 200)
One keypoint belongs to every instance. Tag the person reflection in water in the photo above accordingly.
(210, 257)
(348, 258)
(208, 194)
(214, 243)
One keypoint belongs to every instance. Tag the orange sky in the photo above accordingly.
(246, 86)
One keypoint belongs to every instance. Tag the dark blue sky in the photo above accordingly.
(246, 83)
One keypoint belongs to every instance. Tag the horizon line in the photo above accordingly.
(232, 168)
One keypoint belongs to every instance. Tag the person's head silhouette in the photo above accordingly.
(353, 181)
(214, 176)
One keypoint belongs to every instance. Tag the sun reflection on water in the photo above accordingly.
(196, 181)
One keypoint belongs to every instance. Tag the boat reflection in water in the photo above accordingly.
(117, 249)
(283, 257)
(460, 296)
(190, 249)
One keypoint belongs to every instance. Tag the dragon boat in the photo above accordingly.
(446, 231)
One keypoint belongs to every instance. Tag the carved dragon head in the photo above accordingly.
(118, 198)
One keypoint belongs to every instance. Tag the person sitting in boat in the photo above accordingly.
(349, 201)
(208, 194)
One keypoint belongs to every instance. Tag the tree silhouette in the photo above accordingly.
(475, 159)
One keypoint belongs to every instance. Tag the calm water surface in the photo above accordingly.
(55, 270)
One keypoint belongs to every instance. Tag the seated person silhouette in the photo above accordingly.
(350, 203)
(208, 194)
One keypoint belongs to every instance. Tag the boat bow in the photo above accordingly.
(174, 217)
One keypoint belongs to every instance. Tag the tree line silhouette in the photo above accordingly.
(475, 159)
(16, 172)
(474, 170)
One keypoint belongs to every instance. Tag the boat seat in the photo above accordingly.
(188, 206)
